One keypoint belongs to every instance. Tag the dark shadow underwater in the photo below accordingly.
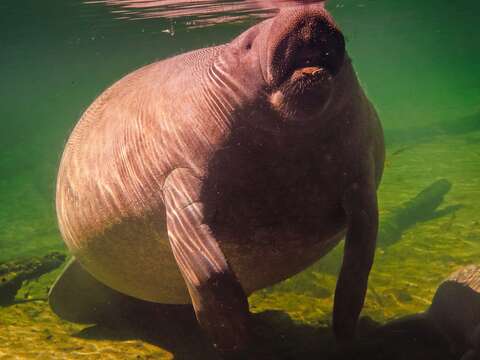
(275, 336)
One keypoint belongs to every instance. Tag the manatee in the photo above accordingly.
(455, 311)
(452, 321)
(209, 175)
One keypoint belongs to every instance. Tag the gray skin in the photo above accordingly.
(209, 175)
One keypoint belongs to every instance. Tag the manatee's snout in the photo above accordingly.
(320, 51)
(304, 44)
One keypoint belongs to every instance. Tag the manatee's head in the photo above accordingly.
(298, 56)
(301, 54)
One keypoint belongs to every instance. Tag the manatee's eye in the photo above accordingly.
(247, 40)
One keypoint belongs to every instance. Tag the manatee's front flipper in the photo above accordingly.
(219, 301)
(78, 297)
(360, 205)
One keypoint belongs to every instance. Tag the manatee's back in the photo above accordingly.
(109, 188)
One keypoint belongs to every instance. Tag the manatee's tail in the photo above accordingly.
(78, 297)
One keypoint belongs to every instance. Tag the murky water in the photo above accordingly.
(417, 61)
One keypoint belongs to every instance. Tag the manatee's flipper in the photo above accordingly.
(78, 297)
(360, 205)
(218, 298)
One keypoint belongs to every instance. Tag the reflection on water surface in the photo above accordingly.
(199, 13)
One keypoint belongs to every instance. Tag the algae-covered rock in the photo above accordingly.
(14, 273)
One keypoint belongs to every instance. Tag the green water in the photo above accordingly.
(419, 63)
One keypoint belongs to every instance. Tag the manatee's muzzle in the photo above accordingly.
(320, 58)
(307, 47)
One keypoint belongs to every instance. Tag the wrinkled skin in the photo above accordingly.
(225, 170)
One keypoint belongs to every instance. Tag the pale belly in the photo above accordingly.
(135, 258)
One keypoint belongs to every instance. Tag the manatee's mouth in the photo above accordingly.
(317, 64)
(312, 70)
